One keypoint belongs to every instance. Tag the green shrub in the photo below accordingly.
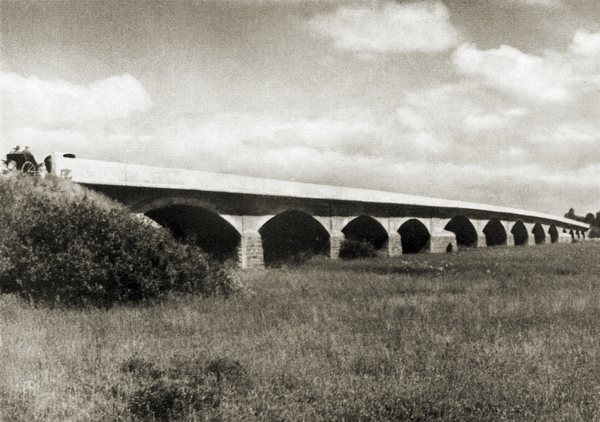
(187, 387)
(166, 400)
(354, 249)
(63, 243)
(594, 232)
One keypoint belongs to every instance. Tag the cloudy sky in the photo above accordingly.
(489, 101)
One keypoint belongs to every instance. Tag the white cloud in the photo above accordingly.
(551, 78)
(544, 3)
(393, 27)
(230, 131)
(585, 44)
(569, 135)
(411, 119)
(61, 104)
(479, 121)
(543, 79)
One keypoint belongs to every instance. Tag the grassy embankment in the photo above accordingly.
(496, 334)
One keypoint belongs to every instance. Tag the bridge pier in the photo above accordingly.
(530, 234)
(481, 237)
(335, 244)
(546, 228)
(564, 236)
(334, 226)
(441, 240)
(394, 244)
(250, 252)
(510, 238)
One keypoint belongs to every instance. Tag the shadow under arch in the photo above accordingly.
(461, 226)
(538, 234)
(414, 236)
(553, 233)
(201, 227)
(366, 229)
(290, 234)
(519, 231)
(495, 233)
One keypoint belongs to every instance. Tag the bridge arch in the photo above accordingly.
(291, 233)
(152, 204)
(553, 233)
(538, 234)
(519, 231)
(366, 229)
(192, 223)
(414, 236)
(461, 226)
(495, 233)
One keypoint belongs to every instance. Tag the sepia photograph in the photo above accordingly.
(299, 210)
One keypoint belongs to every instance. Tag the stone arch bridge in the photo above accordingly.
(258, 221)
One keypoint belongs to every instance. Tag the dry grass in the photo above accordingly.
(489, 334)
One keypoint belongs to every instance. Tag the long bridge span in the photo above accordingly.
(258, 221)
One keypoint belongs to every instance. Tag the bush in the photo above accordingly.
(594, 232)
(354, 249)
(166, 400)
(186, 388)
(63, 243)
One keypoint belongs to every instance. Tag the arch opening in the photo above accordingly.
(197, 226)
(466, 235)
(366, 229)
(292, 234)
(495, 233)
(414, 236)
(553, 232)
(519, 231)
(538, 234)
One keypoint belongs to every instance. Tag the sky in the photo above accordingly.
(489, 101)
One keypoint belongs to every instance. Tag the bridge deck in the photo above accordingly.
(95, 172)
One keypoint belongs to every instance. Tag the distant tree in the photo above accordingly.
(570, 214)
(590, 219)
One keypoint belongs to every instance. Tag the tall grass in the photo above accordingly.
(486, 334)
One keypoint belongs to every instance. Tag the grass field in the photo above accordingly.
(486, 334)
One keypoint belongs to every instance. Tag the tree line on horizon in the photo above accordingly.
(591, 219)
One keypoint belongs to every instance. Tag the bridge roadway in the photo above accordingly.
(257, 220)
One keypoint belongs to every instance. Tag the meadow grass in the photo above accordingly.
(483, 334)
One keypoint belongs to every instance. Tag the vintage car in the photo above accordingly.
(22, 160)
